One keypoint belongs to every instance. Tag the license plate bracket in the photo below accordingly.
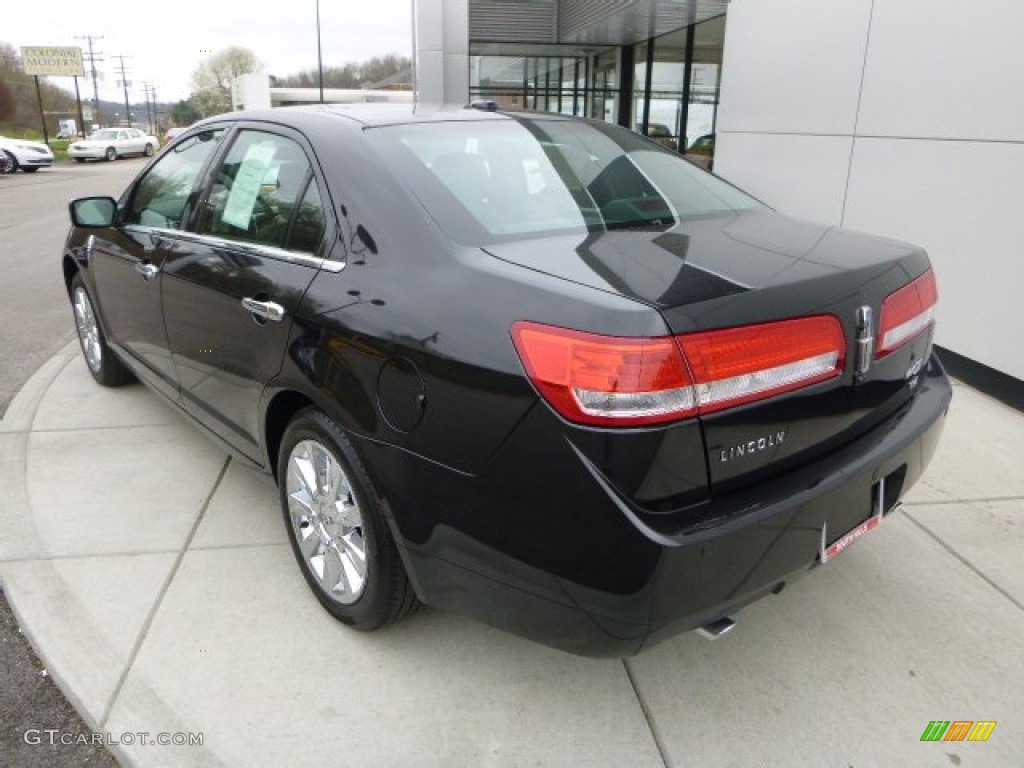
(831, 550)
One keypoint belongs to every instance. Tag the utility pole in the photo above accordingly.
(81, 117)
(93, 58)
(150, 106)
(124, 85)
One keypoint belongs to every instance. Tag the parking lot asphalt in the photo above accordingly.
(153, 577)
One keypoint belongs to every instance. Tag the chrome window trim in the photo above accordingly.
(254, 249)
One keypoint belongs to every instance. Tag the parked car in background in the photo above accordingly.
(112, 143)
(29, 156)
(702, 152)
(171, 133)
(661, 134)
(527, 367)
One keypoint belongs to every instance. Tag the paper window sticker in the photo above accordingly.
(246, 187)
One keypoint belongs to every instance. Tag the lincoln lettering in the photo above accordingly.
(751, 447)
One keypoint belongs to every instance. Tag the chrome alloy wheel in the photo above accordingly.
(326, 521)
(88, 330)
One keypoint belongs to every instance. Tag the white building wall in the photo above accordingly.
(903, 118)
(441, 51)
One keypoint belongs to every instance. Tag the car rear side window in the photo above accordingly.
(256, 189)
(159, 199)
(308, 227)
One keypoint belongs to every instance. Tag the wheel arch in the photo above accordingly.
(280, 410)
(70, 269)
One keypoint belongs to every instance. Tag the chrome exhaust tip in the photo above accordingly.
(716, 628)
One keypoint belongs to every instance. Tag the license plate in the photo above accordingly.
(837, 546)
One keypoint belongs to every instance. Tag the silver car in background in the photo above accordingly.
(112, 143)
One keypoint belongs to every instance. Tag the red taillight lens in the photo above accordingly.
(907, 312)
(605, 380)
(740, 365)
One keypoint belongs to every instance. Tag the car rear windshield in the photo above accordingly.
(493, 180)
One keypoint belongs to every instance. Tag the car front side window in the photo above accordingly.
(159, 199)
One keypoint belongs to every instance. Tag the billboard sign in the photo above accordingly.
(63, 61)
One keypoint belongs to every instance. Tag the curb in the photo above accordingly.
(41, 600)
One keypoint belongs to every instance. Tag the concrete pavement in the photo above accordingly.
(153, 577)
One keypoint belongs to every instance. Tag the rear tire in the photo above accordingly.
(100, 359)
(148, 151)
(12, 162)
(79, 159)
(338, 534)
(110, 154)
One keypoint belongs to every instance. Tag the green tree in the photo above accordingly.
(351, 75)
(184, 113)
(380, 67)
(8, 107)
(211, 81)
(19, 107)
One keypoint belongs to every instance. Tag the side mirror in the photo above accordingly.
(93, 211)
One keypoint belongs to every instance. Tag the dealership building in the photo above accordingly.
(900, 118)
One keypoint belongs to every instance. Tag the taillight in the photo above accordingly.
(907, 312)
(607, 380)
(740, 365)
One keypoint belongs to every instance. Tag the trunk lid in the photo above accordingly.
(726, 271)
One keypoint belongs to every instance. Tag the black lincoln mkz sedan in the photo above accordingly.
(531, 368)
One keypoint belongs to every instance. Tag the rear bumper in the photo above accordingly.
(545, 549)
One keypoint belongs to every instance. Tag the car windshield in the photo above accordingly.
(493, 180)
(105, 135)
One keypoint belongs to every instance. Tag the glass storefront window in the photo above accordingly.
(605, 91)
(574, 80)
(705, 85)
(666, 96)
(636, 121)
(548, 78)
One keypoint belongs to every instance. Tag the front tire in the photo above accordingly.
(337, 532)
(110, 154)
(100, 359)
(79, 159)
(31, 170)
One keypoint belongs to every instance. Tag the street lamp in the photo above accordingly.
(319, 56)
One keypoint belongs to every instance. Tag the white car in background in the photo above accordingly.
(112, 143)
(30, 156)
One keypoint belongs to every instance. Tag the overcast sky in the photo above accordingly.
(164, 42)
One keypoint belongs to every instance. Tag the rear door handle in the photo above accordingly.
(268, 310)
(147, 270)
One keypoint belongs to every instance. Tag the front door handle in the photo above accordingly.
(268, 310)
(147, 270)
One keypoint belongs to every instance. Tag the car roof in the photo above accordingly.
(379, 114)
